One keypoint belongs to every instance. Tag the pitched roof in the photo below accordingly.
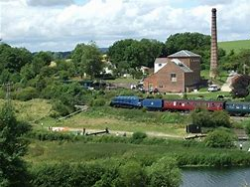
(160, 60)
(184, 53)
(182, 66)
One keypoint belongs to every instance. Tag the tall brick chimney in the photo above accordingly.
(214, 48)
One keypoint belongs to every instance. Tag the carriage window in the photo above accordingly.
(244, 107)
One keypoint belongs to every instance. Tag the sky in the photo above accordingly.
(59, 25)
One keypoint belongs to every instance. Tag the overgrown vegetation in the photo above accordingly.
(205, 118)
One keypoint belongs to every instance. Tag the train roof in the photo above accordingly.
(237, 102)
(186, 100)
(127, 97)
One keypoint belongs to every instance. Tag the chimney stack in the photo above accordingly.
(214, 47)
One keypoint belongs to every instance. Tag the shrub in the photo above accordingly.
(164, 173)
(221, 119)
(98, 102)
(138, 137)
(132, 174)
(202, 118)
(220, 138)
(27, 94)
(205, 118)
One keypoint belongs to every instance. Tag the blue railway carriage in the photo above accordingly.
(237, 108)
(126, 101)
(152, 104)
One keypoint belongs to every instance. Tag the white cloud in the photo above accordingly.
(49, 2)
(105, 21)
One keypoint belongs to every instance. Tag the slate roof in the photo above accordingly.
(182, 66)
(161, 60)
(184, 53)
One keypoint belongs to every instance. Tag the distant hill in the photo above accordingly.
(104, 49)
(235, 45)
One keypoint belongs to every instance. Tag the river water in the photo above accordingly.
(203, 177)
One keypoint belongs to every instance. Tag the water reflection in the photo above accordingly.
(200, 177)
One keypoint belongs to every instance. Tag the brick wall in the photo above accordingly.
(162, 79)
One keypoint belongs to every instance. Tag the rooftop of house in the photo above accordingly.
(161, 60)
(184, 53)
(182, 66)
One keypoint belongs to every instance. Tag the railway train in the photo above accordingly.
(232, 107)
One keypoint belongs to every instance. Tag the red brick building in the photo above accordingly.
(179, 72)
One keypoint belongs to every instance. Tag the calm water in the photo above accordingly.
(232, 177)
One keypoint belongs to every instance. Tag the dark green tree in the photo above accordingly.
(129, 55)
(87, 59)
(13, 59)
(13, 146)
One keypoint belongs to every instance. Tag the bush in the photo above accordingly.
(27, 94)
(164, 173)
(131, 174)
(205, 118)
(61, 108)
(98, 102)
(220, 138)
(138, 137)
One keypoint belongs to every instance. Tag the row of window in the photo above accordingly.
(196, 104)
(235, 106)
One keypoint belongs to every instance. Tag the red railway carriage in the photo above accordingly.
(186, 105)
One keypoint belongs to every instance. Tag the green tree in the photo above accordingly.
(87, 59)
(241, 86)
(13, 145)
(128, 55)
(164, 173)
(195, 42)
(13, 59)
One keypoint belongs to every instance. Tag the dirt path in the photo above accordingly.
(114, 132)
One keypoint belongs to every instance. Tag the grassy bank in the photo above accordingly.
(96, 148)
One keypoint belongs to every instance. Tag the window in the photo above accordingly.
(159, 65)
(173, 77)
(160, 86)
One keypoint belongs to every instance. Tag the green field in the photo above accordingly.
(81, 151)
(235, 45)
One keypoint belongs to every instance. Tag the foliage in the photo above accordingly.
(116, 172)
(195, 42)
(87, 59)
(240, 86)
(98, 102)
(238, 62)
(66, 175)
(205, 118)
(26, 94)
(131, 174)
(13, 171)
(220, 138)
(164, 172)
(129, 55)
(187, 41)
(138, 137)
(65, 96)
(247, 126)
(13, 59)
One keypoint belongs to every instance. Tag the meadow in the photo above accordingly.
(234, 45)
